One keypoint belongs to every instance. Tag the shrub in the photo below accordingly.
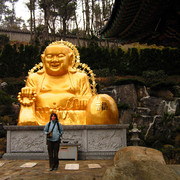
(163, 85)
(128, 81)
(105, 72)
(5, 103)
(3, 39)
(152, 77)
(163, 132)
(15, 87)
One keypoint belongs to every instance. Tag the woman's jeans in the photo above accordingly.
(53, 150)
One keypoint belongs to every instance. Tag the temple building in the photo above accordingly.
(144, 21)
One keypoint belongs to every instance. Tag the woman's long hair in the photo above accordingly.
(54, 114)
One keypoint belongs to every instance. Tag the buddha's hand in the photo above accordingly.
(27, 96)
(81, 103)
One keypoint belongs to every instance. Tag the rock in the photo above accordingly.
(123, 94)
(139, 163)
(142, 92)
(177, 111)
(3, 86)
(167, 106)
(125, 116)
(176, 91)
(152, 103)
(165, 94)
(138, 153)
(15, 108)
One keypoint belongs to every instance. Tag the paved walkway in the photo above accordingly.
(11, 170)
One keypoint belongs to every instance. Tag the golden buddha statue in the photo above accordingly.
(61, 84)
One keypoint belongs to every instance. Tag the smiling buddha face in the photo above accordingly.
(57, 59)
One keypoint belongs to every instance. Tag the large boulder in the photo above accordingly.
(123, 94)
(139, 163)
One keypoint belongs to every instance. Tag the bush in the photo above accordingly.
(102, 72)
(152, 77)
(15, 87)
(17, 61)
(163, 85)
(171, 154)
(163, 132)
(128, 81)
(6, 120)
(150, 59)
(3, 39)
(2, 133)
(5, 103)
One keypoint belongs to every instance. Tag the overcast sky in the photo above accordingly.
(22, 10)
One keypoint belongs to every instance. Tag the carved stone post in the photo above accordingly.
(135, 137)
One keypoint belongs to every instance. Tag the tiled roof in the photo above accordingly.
(146, 21)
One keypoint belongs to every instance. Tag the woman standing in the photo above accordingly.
(54, 131)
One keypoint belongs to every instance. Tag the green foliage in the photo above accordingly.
(5, 103)
(164, 132)
(152, 77)
(128, 81)
(8, 62)
(2, 133)
(150, 59)
(6, 112)
(163, 137)
(105, 72)
(15, 87)
(15, 62)
(134, 62)
(3, 39)
(154, 63)
(6, 120)
(5, 99)
(171, 61)
(171, 154)
(163, 85)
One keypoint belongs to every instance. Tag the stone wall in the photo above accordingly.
(25, 36)
(94, 141)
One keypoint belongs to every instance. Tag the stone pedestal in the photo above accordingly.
(95, 141)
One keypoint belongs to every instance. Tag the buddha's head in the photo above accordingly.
(57, 59)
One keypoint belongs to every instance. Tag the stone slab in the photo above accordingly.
(72, 167)
(94, 166)
(28, 165)
(1, 164)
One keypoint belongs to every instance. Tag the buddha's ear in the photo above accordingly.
(71, 56)
(42, 58)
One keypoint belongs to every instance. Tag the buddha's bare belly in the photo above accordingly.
(55, 100)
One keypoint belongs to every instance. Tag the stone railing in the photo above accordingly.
(95, 141)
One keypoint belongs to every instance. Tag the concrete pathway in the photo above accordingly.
(12, 170)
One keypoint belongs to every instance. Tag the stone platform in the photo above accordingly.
(94, 141)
